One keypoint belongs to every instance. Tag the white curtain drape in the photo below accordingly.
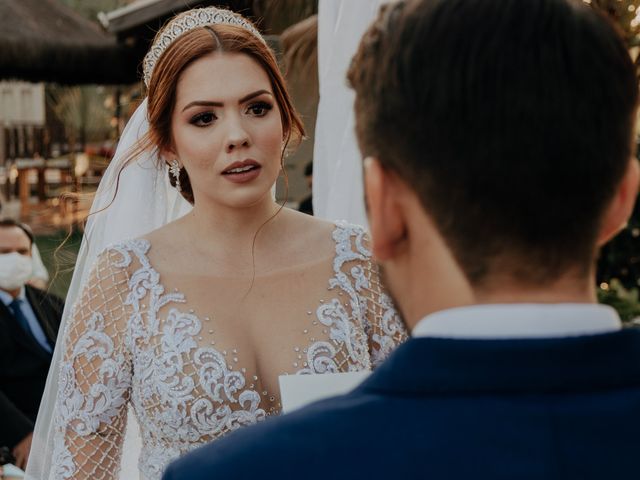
(337, 164)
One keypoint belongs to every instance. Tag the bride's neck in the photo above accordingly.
(230, 226)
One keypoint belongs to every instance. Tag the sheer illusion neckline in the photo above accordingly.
(326, 259)
(133, 339)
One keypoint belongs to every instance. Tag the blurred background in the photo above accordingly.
(70, 75)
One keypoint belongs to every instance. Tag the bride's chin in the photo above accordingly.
(249, 198)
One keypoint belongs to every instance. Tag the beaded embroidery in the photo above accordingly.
(185, 392)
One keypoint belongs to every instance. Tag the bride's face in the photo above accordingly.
(227, 130)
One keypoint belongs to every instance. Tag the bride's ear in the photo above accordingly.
(168, 154)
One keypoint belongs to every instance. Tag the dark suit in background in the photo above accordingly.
(24, 365)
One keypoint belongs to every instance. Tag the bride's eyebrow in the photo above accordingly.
(246, 98)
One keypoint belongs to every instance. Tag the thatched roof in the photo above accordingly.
(271, 16)
(141, 19)
(137, 23)
(44, 40)
(152, 14)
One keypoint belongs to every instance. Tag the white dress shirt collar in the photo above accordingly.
(504, 321)
(6, 297)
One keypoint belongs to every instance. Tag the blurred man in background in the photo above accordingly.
(29, 320)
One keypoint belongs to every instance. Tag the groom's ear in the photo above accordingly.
(621, 206)
(384, 211)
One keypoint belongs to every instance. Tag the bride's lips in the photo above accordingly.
(242, 172)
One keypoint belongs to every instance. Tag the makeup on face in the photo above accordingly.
(227, 129)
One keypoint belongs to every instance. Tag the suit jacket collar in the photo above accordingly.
(35, 298)
(574, 364)
(6, 298)
(17, 333)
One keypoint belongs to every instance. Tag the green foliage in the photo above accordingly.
(625, 301)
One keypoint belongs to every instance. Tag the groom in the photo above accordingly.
(498, 137)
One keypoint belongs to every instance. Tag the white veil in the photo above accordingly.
(133, 198)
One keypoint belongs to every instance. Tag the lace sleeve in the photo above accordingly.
(95, 377)
(385, 328)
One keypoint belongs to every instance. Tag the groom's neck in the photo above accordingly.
(566, 288)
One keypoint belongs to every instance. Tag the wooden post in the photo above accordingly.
(41, 184)
(23, 191)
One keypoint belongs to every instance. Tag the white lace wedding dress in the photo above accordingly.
(196, 357)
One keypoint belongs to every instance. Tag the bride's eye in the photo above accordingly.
(259, 109)
(203, 119)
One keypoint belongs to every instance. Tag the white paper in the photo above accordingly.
(299, 390)
(11, 471)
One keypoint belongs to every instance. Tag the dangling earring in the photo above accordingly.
(174, 169)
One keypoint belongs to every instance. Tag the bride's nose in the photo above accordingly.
(237, 136)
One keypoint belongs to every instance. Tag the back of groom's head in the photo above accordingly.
(511, 120)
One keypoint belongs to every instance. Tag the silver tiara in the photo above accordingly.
(187, 21)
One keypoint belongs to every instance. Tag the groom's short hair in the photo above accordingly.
(512, 120)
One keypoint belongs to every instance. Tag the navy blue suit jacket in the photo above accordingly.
(457, 409)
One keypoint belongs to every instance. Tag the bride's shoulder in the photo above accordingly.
(159, 240)
(126, 255)
(307, 224)
(316, 225)
(352, 246)
(338, 238)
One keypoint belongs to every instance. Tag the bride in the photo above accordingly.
(190, 324)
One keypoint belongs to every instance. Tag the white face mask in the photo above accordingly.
(15, 270)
